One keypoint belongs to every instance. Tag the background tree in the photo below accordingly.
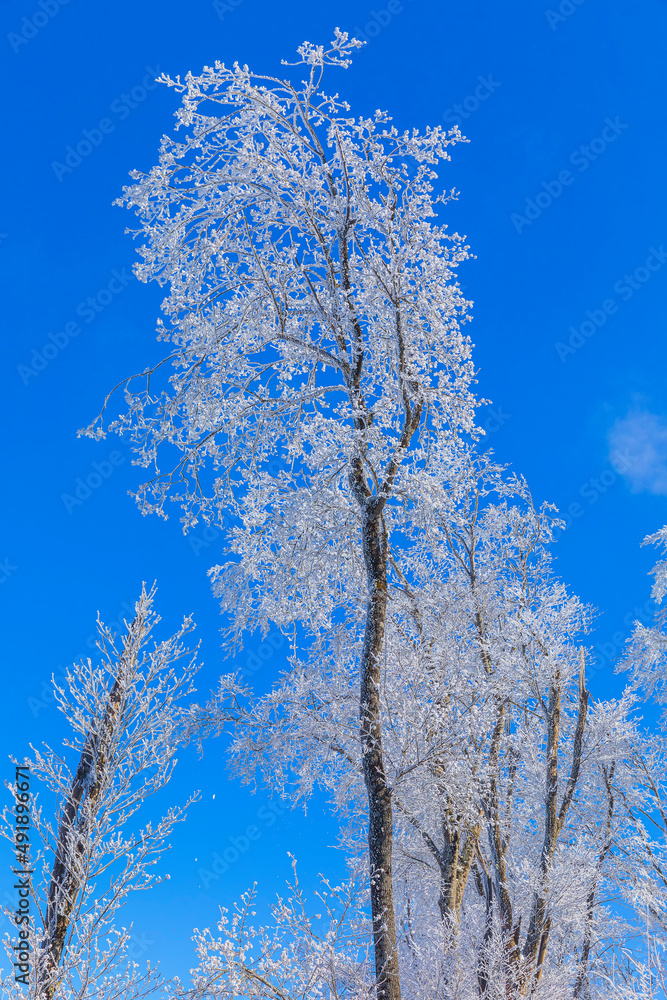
(300, 955)
(647, 652)
(516, 798)
(127, 723)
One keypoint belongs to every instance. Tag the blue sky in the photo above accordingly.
(562, 198)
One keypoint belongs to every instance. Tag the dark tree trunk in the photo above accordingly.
(68, 876)
(380, 822)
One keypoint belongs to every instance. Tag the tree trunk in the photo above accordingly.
(534, 949)
(380, 822)
(67, 875)
(580, 987)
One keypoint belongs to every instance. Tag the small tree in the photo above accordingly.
(302, 955)
(127, 725)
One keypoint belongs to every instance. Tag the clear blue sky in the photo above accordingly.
(563, 202)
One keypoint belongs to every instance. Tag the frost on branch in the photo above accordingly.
(647, 652)
(125, 723)
(302, 955)
(311, 298)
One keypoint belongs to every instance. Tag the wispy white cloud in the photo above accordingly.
(638, 444)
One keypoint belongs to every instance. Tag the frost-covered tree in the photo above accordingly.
(91, 854)
(515, 798)
(436, 684)
(300, 956)
(647, 653)
(315, 317)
